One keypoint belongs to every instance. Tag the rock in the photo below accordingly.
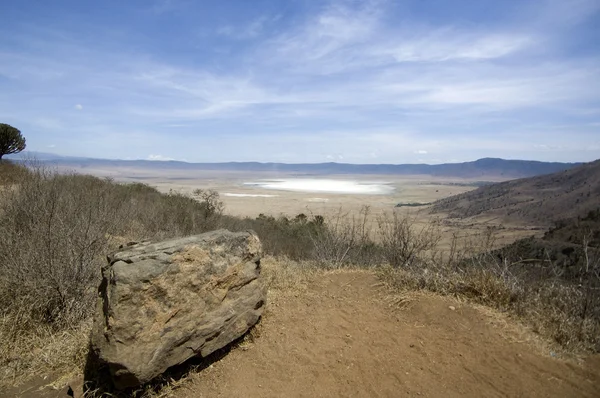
(160, 304)
(452, 308)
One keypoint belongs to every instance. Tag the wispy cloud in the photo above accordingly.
(451, 44)
(352, 79)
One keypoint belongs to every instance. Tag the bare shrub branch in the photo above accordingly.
(404, 242)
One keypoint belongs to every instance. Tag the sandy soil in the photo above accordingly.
(344, 337)
(342, 334)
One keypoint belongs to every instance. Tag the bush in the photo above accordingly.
(345, 239)
(404, 243)
(11, 173)
(56, 230)
(332, 242)
(280, 236)
(53, 232)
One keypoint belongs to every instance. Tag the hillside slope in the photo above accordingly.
(540, 200)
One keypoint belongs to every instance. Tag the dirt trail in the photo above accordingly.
(344, 338)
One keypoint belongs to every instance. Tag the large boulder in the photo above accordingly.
(160, 304)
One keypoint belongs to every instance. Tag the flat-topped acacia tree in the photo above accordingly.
(11, 140)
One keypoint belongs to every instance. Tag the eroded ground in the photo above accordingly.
(344, 335)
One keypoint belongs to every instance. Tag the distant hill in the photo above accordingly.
(482, 168)
(541, 200)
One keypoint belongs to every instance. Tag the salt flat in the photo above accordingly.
(325, 185)
(247, 195)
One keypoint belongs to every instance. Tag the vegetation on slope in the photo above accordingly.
(541, 200)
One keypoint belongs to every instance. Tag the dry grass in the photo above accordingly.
(283, 274)
(42, 352)
(554, 309)
(11, 173)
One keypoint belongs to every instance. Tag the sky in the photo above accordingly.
(304, 81)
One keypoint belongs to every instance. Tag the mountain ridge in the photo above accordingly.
(484, 168)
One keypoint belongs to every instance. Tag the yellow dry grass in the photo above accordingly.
(43, 353)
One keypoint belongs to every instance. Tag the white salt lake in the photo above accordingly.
(324, 186)
(248, 195)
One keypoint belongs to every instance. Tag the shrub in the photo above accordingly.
(11, 173)
(405, 243)
(344, 239)
(53, 230)
(280, 236)
(57, 228)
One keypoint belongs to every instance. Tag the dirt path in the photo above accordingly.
(343, 339)
(343, 335)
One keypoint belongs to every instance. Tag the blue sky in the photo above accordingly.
(304, 80)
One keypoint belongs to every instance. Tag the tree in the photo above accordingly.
(11, 140)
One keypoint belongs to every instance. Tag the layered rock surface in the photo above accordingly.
(162, 303)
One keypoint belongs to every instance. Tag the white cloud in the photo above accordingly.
(344, 38)
(449, 44)
(421, 152)
(79, 107)
(334, 157)
(386, 63)
(159, 158)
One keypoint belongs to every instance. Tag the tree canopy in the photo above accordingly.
(11, 140)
